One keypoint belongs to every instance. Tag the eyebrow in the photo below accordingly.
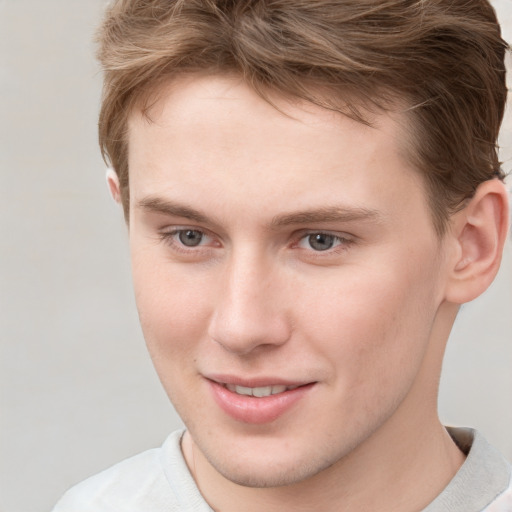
(172, 209)
(319, 215)
(327, 214)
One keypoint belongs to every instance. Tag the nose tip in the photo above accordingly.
(243, 335)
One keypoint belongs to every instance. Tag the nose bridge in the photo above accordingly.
(249, 311)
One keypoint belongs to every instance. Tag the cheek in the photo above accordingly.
(372, 322)
(172, 308)
(173, 317)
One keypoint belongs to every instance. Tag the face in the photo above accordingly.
(287, 275)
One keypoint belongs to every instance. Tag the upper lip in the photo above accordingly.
(256, 382)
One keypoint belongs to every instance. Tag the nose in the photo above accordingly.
(250, 311)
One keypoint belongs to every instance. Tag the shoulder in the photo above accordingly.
(153, 481)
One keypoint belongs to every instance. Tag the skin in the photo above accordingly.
(365, 321)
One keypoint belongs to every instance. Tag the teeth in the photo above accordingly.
(242, 390)
(259, 392)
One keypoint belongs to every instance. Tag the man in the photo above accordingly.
(311, 190)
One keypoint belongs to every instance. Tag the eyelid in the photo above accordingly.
(168, 234)
(337, 234)
(344, 239)
(176, 228)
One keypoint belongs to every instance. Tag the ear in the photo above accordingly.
(113, 185)
(479, 232)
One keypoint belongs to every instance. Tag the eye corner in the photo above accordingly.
(188, 240)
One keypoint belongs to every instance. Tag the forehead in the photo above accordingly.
(207, 133)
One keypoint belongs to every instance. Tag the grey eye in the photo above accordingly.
(190, 237)
(321, 241)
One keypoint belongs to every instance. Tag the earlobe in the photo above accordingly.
(479, 232)
(113, 184)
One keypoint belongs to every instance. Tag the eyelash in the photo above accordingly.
(170, 238)
(342, 242)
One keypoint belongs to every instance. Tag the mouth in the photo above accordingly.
(258, 401)
(261, 391)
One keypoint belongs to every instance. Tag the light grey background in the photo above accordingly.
(77, 390)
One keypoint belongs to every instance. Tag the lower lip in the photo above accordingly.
(249, 409)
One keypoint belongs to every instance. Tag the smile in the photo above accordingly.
(257, 404)
(259, 392)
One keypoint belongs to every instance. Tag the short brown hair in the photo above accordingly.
(443, 58)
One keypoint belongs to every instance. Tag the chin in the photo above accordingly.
(265, 470)
(268, 477)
